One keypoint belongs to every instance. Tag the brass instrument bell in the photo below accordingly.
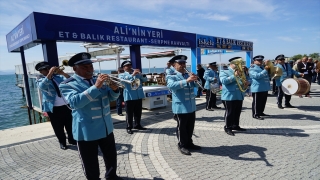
(274, 72)
(241, 78)
(61, 67)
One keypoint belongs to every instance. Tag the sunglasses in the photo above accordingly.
(181, 63)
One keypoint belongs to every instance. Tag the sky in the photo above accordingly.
(288, 27)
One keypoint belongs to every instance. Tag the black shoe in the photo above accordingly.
(184, 151)
(114, 178)
(209, 109)
(238, 128)
(73, 142)
(197, 96)
(263, 114)
(258, 117)
(280, 107)
(129, 131)
(216, 107)
(194, 147)
(229, 132)
(120, 114)
(63, 146)
(289, 106)
(139, 127)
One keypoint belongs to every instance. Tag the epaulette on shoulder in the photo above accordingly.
(67, 80)
(252, 66)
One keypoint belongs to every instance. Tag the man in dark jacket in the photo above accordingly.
(306, 68)
(200, 73)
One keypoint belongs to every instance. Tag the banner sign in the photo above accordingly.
(215, 51)
(63, 28)
(158, 93)
(58, 28)
(204, 41)
(20, 35)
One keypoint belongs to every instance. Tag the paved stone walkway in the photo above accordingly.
(283, 146)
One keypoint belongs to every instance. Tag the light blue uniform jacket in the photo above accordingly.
(90, 108)
(128, 93)
(230, 89)
(170, 70)
(48, 91)
(183, 98)
(210, 75)
(260, 81)
(286, 73)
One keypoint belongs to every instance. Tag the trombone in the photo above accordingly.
(133, 84)
(197, 81)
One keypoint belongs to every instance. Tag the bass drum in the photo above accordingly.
(214, 88)
(298, 86)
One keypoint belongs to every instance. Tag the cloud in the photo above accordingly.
(242, 24)
(265, 7)
(210, 16)
(289, 39)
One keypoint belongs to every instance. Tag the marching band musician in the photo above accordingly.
(259, 87)
(169, 69)
(231, 97)
(286, 73)
(132, 98)
(120, 98)
(211, 76)
(92, 124)
(54, 103)
(182, 87)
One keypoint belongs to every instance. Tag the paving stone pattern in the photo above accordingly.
(283, 146)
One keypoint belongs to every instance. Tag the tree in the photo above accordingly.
(314, 55)
(296, 57)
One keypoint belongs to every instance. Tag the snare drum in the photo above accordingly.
(298, 86)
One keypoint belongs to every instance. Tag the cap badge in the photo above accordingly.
(84, 56)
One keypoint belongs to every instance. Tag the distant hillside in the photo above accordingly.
(5, 72)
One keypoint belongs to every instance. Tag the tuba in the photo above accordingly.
(241, 78)
(61, 67)
(274, 72)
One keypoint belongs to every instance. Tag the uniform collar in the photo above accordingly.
(230, 69)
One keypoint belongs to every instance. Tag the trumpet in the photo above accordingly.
(118, 82)
(197, 81)
(61, 67)
(138, 73)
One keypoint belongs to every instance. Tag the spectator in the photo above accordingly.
(200, 73)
